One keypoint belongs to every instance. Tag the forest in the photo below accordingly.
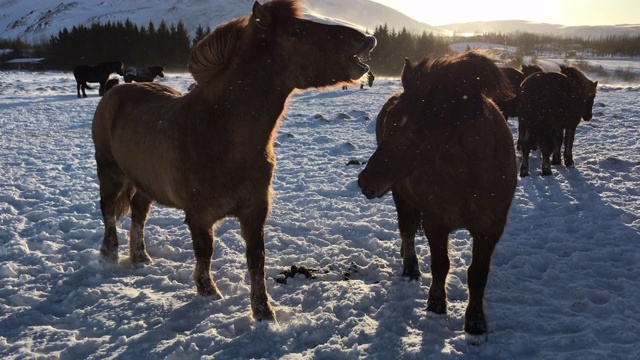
(169, 45)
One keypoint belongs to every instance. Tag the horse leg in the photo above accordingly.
(546, 149)
(83, 87)
(484, 243)
(202, 236)
(525, 148)
(252, 221)
(568, 147)
(557, 147)
(111, 189)
(140, 207)
(101, 88)
(78, 90)
(408, 221)
(438, 238)
(521, 134)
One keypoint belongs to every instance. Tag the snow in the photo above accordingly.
(564, 282)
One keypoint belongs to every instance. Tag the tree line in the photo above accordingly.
(166, 45)
(169, 45)
(394, 46)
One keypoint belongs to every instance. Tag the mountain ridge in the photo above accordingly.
(38, 20)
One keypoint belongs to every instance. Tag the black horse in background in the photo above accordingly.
(110, 84)
(552, 105)
(147, 74)
(99, 73)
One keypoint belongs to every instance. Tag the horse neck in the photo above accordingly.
(579, 83)
(255, 100)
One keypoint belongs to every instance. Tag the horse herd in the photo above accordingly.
(444, 148)
(100, 74)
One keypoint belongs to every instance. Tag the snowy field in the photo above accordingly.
(564, 284)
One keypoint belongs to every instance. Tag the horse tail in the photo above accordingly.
(123, 201)
(117, 190)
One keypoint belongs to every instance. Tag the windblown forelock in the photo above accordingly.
(211, 55)
(285, 9)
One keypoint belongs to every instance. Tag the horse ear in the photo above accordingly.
(262, 16)
(407, 72)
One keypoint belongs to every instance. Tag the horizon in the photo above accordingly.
(558, 12)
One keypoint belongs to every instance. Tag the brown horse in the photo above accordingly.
(446, 153)
(552, 105)
(210, 152)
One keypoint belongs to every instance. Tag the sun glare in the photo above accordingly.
(561, 12)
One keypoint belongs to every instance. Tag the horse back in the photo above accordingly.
(131, 134)
(548, 99)
(469, 176)
(81, 73)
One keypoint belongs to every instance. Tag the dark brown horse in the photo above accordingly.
(210, 152)
(147, 74)
(530, 69)
(552, 105)
(446, 153)
(509, 107)
(99, 73)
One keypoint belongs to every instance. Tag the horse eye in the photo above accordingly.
(296, 32)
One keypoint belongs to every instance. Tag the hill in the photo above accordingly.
(35, 21)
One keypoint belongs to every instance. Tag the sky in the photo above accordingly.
(564, 282)
(562, 12)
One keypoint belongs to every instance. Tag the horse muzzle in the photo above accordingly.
(358, 67)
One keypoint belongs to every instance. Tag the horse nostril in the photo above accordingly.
(368, 193)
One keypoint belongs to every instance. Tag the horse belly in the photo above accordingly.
(150, 174)
(465, 190)
(147, 160)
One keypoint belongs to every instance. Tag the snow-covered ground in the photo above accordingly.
(564, 284)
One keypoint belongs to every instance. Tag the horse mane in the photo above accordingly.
(531, 69)
(585, 87)
(211, 55)
(284, 9)
(454, 87)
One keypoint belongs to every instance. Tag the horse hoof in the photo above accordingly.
(476, 339)
(267, 317)
(210, 291)
(477, 326)
(140, 258)
(412, 274)
(437, 306)
(108, 256)
(546, 172)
